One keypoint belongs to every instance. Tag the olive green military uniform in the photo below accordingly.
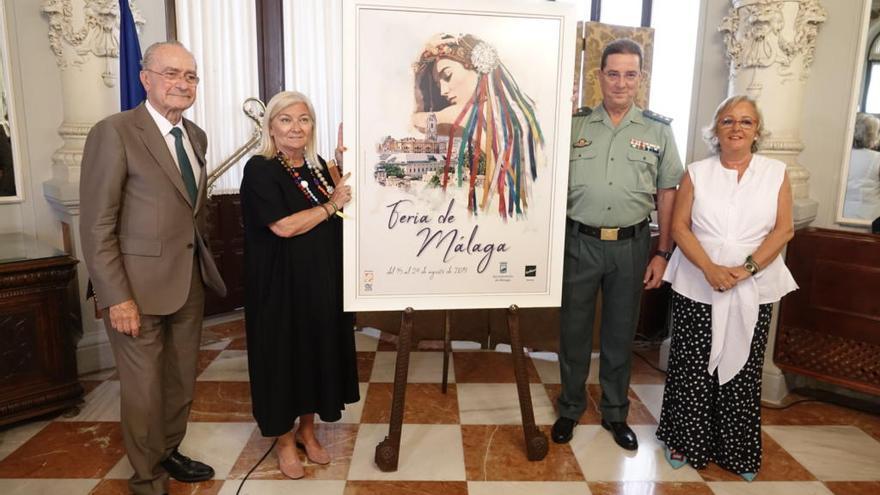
(613, 175)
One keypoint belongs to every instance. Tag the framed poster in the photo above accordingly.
(458, 118)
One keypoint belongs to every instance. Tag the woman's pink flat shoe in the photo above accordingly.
(292, 468)
(316, 455)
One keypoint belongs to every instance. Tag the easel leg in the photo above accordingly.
(446, 351)
(536, 441)
(388, 450)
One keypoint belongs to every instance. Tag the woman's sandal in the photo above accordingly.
(675, 459)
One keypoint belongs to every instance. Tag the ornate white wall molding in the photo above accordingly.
(770, 45)
(69, 155)
(84, 36)
(98, 36)
(755, 35)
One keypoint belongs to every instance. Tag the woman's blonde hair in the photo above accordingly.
(710, 132)
(278, 103)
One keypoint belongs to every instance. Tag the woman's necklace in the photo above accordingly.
(301, 182)
(317, 173)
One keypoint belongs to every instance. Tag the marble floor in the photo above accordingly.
(466, 441)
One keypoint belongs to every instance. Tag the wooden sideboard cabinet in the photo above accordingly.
(39, 317)
(829, 329)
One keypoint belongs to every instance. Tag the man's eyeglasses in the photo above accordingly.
(173, 75)
(744, 123)
(614, 76)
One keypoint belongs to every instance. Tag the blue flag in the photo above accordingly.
(131, 91)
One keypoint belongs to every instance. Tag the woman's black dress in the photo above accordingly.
(301, 353)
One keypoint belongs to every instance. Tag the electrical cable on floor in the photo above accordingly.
(237, 492)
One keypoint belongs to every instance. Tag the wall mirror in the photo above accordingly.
(10, 165)
(859, 196)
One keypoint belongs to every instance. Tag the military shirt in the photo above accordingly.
(615, 171)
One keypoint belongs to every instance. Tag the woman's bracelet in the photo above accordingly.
(326, 211)
(335, 207)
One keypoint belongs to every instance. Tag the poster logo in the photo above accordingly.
(502, 269)
(368, 280)
(531, 270)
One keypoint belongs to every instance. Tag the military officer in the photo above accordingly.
(621, 156)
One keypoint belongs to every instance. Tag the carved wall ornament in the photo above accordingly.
(98, 35)
(754, 35)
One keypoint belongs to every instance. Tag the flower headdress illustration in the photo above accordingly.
(482, 103)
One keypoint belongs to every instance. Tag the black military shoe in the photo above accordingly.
(623, 434)
(563, 430)
(186, 470)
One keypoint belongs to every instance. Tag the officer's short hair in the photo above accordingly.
(622, 46)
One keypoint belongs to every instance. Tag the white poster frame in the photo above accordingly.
(361, 259)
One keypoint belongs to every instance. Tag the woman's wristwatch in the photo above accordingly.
(750, 265)
(663, 254)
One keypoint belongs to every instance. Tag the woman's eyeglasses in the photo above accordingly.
(744, 123)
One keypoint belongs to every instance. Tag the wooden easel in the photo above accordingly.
(388, 450)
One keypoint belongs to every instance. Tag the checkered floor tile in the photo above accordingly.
(466, 441)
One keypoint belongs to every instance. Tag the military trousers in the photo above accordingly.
(618, 269)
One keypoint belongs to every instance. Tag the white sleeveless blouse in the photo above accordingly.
(731, 219)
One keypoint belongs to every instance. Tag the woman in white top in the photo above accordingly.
(862, 198)
(732, 217)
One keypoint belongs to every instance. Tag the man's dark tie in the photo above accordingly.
(189, 180)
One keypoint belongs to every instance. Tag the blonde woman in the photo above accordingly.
(301, 354)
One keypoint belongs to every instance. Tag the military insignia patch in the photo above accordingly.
(644, 146)
(656, 116)
(582, 143)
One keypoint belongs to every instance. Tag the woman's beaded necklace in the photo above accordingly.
(302, 183)
(317, 173)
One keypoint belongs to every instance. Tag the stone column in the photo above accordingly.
(770, 46)
(84, 36)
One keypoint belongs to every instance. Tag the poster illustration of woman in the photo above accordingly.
(462, 87)
(461, 138)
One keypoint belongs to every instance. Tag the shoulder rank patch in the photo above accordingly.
(583, 112)
(656, 116)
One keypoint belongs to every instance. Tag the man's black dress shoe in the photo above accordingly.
(186, 470)
(623, 434)
(563, 430)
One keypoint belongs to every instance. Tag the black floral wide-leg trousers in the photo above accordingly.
(701, 419)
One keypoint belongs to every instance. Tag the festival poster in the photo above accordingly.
(457, 117)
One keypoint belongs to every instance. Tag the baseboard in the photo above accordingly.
(774, 388)
(93, 352)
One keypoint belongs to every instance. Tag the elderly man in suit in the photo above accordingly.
(143, 198)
